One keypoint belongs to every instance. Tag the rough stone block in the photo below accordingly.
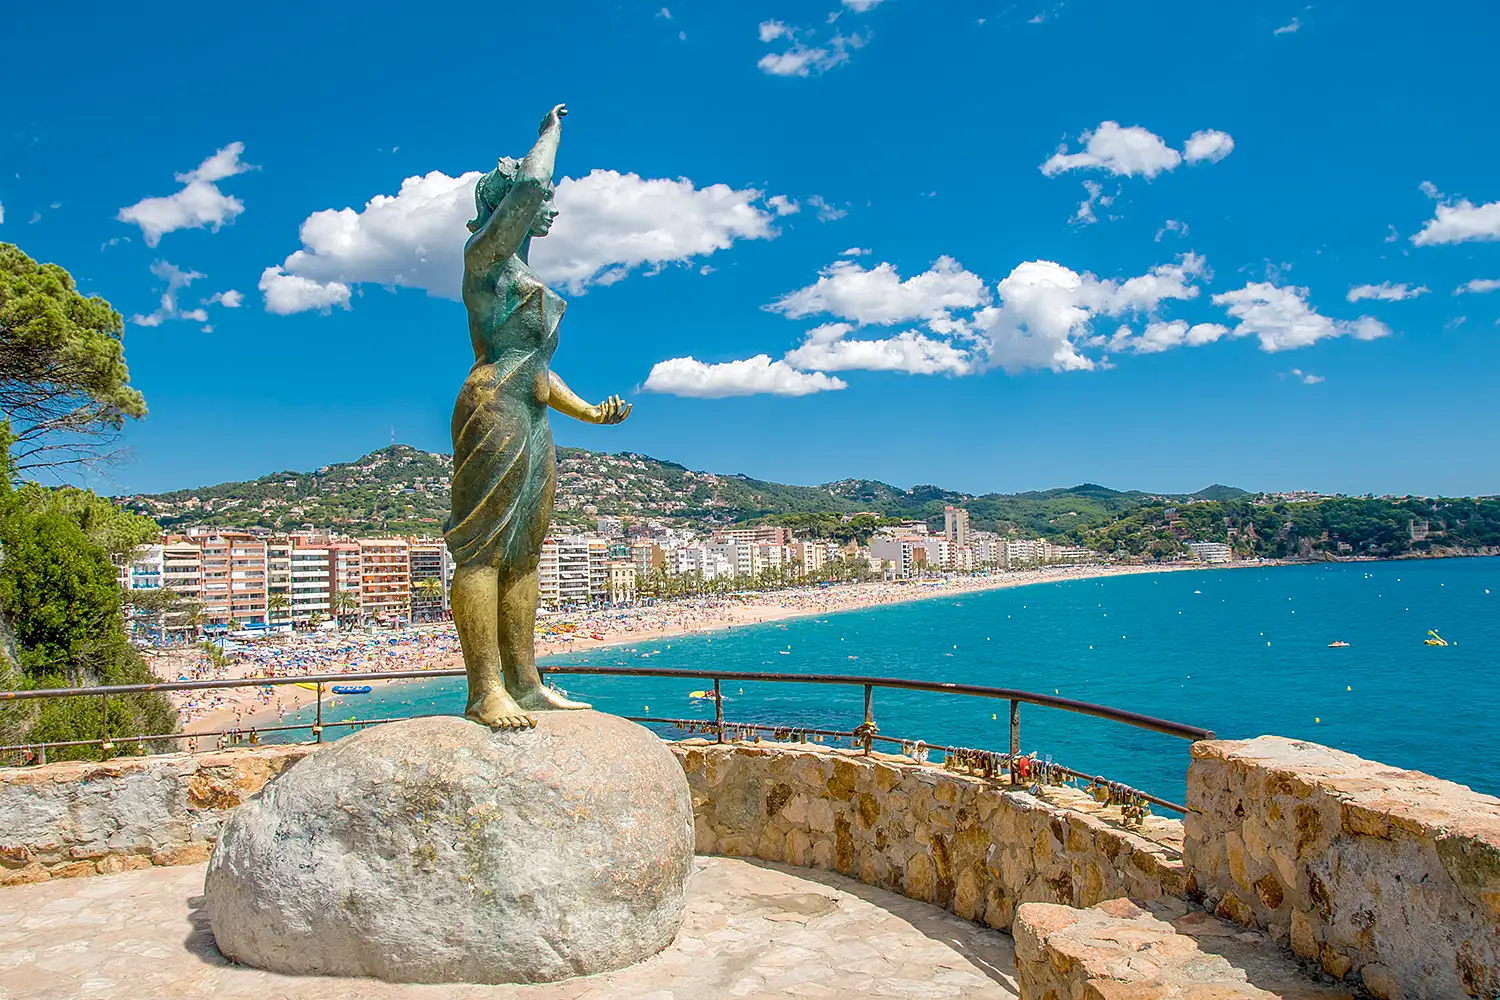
(1123, 949)
(436, 850)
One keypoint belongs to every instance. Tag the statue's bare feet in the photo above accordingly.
(498, 710)
(542, 698)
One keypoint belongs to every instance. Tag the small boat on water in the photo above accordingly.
(1433, 639)
(705, 696)
(1337, 645)
(352, 689)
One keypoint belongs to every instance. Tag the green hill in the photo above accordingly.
(403, 490)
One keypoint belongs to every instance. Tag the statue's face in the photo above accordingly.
(544, 218)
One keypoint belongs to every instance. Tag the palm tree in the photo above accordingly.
(429, 591)
(345, 603)
(275, 604)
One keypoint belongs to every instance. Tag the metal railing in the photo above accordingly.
(865, 734)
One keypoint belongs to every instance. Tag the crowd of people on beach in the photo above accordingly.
(436, 646)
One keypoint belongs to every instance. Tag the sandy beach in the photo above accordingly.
(436, 647)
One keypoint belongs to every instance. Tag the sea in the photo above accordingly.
(1242, 652)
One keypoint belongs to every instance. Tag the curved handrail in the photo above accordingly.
(855, 680)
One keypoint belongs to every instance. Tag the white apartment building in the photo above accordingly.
(279, 581)
(1210, 552)
(563, 574)
(182, 569)
(312, 583)
(741, 556)
(988, 549)
(599, 561)
(700, 560)
(144, 570)
(902, 556)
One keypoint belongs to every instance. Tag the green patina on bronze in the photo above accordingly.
(504, 471)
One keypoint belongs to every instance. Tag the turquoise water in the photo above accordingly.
(1241, 652)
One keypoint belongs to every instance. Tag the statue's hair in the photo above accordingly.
(491, 189)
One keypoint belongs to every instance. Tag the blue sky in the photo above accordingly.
(989, 245)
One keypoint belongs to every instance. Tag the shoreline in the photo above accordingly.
(251, 709)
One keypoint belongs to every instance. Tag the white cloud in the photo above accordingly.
(1136, 151)
(198, 205)
(1288, 29)
(856, 252)
(878, 295)
(772, 30)
(176, 279)
(1085, 214)
(1386, 292)
(1045, 310)
(782, 205)
(751, 376)
(1479, 286)
(1162, 336)
(609, 224)
(665, 14)
(911, 352)
(1281, 318)
(860, 6)
(803, 56)
(612, 223)
(291, 293)
(826, 211)
(1208, 144)
(1305, 378)
(230, 299)
(1172, 226)
(1393, 235)
(1124, 152)
(1458, 222)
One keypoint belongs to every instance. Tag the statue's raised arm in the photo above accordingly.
(507, 227)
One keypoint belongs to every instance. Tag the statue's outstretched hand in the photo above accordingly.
(554, 119)
(611, 411)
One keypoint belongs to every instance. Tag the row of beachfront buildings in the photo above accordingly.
(258, 579)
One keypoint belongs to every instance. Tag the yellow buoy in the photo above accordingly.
(994, 716)
(645, 708)
(1349, 688)
(1316, 719)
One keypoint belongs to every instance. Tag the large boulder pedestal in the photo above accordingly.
(435, 850)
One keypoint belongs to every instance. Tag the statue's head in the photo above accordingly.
(491, 190)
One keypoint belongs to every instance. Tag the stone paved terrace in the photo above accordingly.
(753, 930)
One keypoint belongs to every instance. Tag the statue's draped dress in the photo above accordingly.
(504, 472)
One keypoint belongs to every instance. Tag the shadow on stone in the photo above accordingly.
(990, 951)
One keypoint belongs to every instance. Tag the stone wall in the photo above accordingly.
(1164, 950)
(1391, 875)
(974, 846)
(71, 819)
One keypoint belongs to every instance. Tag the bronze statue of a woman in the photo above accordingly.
(504, 471)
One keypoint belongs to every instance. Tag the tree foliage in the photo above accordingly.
(64, 384)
